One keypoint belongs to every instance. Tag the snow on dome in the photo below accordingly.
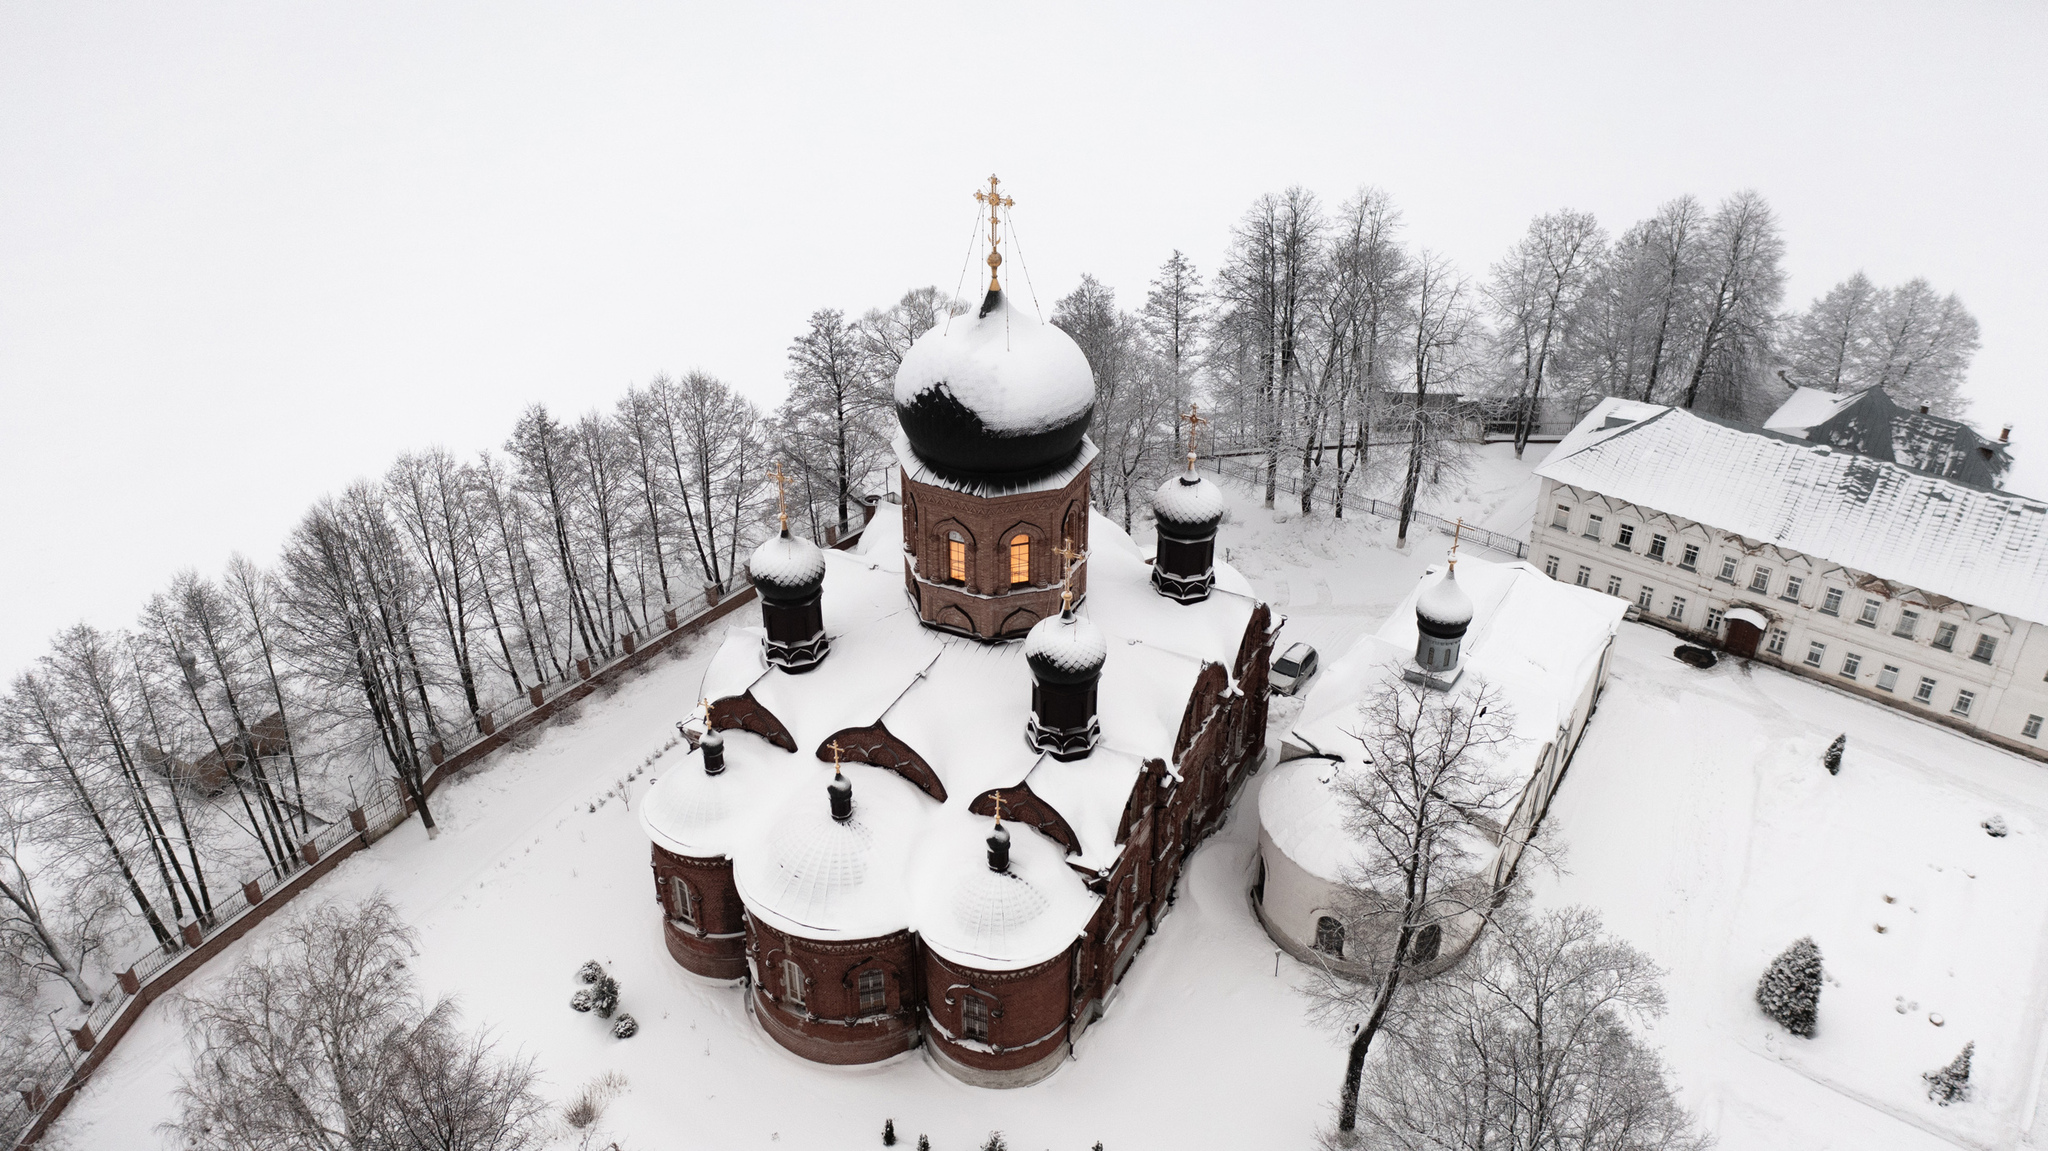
(788, 563)
(803, 871)
(1444, 602)
(1065, 646)
(813, 863)
(992, 910)
(994, 392)
(1188, 499)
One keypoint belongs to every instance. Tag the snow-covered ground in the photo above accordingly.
(1696, 818)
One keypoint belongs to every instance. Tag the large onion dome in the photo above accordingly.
(1065, 649)
(1443, 608)
(995, 394)
(1188, 504)
(787, 569)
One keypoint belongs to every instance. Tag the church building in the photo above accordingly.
(949, 783)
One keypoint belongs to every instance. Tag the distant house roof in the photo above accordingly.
(1964, 542)
(1870, 423)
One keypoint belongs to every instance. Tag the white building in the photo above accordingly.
(1541, 646)
(1914, 588)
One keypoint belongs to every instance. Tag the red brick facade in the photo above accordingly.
(704, 922)
(985, 603)
(858, 1002)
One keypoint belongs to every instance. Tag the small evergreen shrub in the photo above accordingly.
(1951, 1084)
(625, 1027)
(924, 1143)
(590, 972)
(582, 1000)
(995, 1142)
(1833, 759)
(1789, 992)
(1995, 827)
(604, 996)
(888, 1132)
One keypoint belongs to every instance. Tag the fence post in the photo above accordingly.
(33, 1096)
(358, 820)
(82, 1036)
(309, 851)
(533, 695)
(627, 641)
(668, 616)
(192, 934)
(436, 752)
(711, 595)
(252, 890)
(488, 725)
(128, 981)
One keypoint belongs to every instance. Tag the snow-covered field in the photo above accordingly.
(1696, 817)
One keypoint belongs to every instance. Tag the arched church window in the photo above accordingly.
(1020, 559)
(873, 993)
(974, 1018)
(679, 901)
(1428, 942)
(956, 558)
(793, 984)
(1329, 935)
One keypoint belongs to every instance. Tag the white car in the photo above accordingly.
(1295, 667)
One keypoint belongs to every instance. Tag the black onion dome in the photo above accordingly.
(1187, 505)
(1443, 609)
(787, 569)
(997, 394)
(1065, 649)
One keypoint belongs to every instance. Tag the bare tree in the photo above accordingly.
(1441, 325)
(29, 934)
(1419, 807)
(1174, 315)
(1535, 293)
(833, 415)
(1738, 300)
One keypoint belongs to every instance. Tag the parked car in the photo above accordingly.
(1295, 667)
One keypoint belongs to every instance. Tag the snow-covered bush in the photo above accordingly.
(1789, 992)
(1951, 1084)
(1995, 827)
(604, 996)
(1833, 759)
(995, 1142)
(582, 1000)
(590, 972)
(625, 1027)
(888, 1132)
(924, 1143)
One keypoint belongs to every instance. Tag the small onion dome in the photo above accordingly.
(999, 848)
(840, 794)
(1065, 649)
(787, 569)
(1443, 609)
(1188, 504)
(712, 745)
(995, 394)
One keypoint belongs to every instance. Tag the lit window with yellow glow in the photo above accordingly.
(956, 558)
(1020, 559)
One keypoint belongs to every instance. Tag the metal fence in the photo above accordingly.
(1254, 474)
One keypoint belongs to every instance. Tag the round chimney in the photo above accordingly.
(712, 745)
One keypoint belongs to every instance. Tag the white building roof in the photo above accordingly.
(1985, 548)
(1807, 407)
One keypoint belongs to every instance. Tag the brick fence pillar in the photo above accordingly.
(252, 890)
(358, 820)
(436, 752)
(486, 724)
(583, 666)
(34, 1096)
(712, 595)
(533, 695)
(627, 641)
(668, 616)
(309, 851)
(192, 934)
(128, 981)
(82, 1035)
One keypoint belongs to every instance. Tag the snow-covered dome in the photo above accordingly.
(690, 812)
(992, 912)
(1188, 502)
(787, 568)
(1443, 608)
(996, 393)
(1065, 649)
(814, 866)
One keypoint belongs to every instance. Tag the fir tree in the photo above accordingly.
(1951, 1084)
(1789, 992)
(1833, 759)
(604, 996)
(995, 1142)
(888, 1132)
(924, 1143)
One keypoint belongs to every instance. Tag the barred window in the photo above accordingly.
(874, 995)
(974, 1018)
(1020, 559)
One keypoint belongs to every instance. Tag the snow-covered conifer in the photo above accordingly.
(582, 1000)
(1951, 1084)
(995, 1142)
(924, 1143)
(604, 996)
(1833, 759)
(1789, 992)
(590, 972)
(888, 1132)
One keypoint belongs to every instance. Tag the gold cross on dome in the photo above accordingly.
(781, 493)
(994, 200)
(1455, 533)
(1194, 421)
(1073, 558)
(834, 745)
(999, 809)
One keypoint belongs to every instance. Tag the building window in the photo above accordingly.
(1329, 935)
(792, 984)
(1945, 636)
(1585, 576)
(1561, 517)
(1792, 586)
(1714, 617)
(1624, 535)
(956, 557)
(1690, 561)
(1870, 609)
(1815, 652)
(1926, 692)
(1614, 585)
(1677, 611)
(874, 995)
(1963, 701)
(1776, 646)
(1851, 663)
(974, 1018)
(1428, 942)
(1987, 646)
(1760, 581)
(679, 906)
(1888, 679)
(1909, 622)
(1643, 596)
(1593, 526)
(1020, 559)
(1550, 567)
(2033, 728)
(1657, 547)
(1831, 604)
(1727, 570)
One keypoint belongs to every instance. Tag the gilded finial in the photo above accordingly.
(1194, 421)
(1455, 533)
(834, 745)
(781, 494)
(999, 809)
(1072, 563)
(994, 200)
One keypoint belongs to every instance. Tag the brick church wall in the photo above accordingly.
(985, 604)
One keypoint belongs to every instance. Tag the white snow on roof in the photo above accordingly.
(1807, 407)
(803, 871)
(787, 560)
(990, 488)
(1070, 644)
(1444, 601)
(1002, 920)
(1183, 502)
(961, 705)
(1018, 374)
(1986, 548)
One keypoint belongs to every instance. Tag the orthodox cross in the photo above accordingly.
(1194, 421)
(999, 809)
(994, 201)
(1067, 552)
(1455, 533)
(781, 494)
(834, 745)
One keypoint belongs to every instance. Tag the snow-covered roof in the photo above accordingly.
(1444, 602)
(1189, 499)
(990, 487)
(960, 705)
(1535, 642)
(1068, 644)
(1807, 407)
(1018, 374)
(1982, 547)
(787, 560)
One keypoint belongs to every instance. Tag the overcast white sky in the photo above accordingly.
(248, 252)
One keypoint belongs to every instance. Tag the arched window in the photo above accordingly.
(1329, 935)
(974, 1018)
(792, 984)
(1020, 559)
(1428, 942)
(679, 904)
(956, 557)
(874, 995)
